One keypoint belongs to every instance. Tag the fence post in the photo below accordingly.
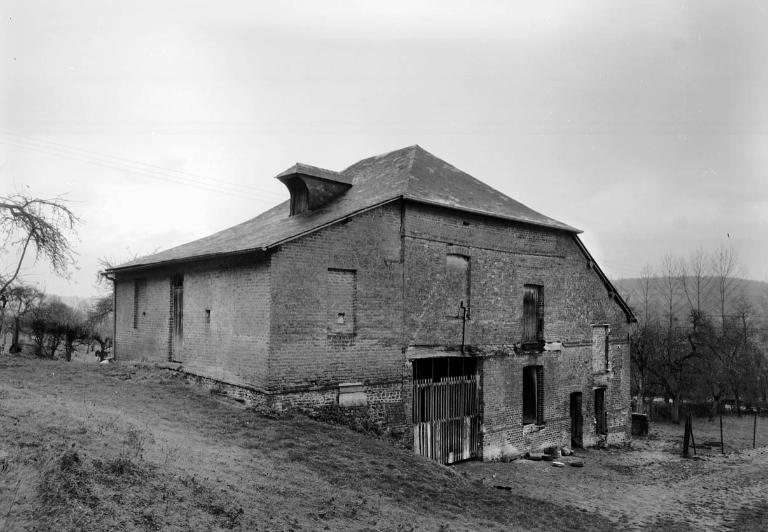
(722, 448)
(754, 427)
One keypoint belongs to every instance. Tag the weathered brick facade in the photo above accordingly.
(358, 301)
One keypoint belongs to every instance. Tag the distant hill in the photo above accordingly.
(755, 292)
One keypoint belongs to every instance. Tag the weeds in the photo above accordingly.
(65, 482)
(359, 419)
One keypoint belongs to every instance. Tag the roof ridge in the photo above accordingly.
(409, 172)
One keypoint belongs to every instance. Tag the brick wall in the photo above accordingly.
(149, 340)
(505, 256)
(273, 324)
(226, 320)
(308, 350)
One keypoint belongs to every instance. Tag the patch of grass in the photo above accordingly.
(66, 480)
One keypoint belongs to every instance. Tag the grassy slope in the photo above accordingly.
(87, 447)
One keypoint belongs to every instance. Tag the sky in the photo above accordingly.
(642, 123)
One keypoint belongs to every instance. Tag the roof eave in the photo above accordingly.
(191, 258)
(631, 318)
(559, 226)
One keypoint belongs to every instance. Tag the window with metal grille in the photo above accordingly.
(533, 395)
(457, 279)
(533, 316)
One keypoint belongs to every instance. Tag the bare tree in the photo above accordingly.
(22, 299)
(724, 264)
(644, 345)
(693, 279)
(673, 364)
(34, 225)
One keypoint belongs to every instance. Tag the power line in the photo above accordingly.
(137, 167)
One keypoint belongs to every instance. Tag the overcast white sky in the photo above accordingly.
(643, 123)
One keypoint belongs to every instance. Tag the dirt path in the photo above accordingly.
(647, 487)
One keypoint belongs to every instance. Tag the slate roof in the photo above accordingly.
(411, 173)
(314, 171)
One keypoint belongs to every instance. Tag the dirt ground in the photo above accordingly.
(648, 485)
(131, 447)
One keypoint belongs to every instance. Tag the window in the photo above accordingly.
(601, 417)
(342, 288)
(139, 300)
(457, 280)
(533, 317)
(533, 395)
(600, 347)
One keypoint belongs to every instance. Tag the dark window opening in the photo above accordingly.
(207, 316)
(533, 395)
(601, 416)
(458, 279)
(437, 369)
(177, 317)
(533, 317)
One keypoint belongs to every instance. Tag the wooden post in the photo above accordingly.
(686, 437)
(754, 428)
(693, 440)
(722, 447)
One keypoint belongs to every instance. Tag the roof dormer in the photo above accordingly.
(313, 187)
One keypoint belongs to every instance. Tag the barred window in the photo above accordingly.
(533, 395)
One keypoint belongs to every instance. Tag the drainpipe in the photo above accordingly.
(463, 324)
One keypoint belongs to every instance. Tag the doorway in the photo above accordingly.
(446, 408)
(577, 421)
(177, 318)
(601, 420)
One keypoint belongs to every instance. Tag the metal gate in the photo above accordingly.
(446, 417)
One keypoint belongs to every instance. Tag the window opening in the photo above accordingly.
(533, 317)
(533, 395)
(601, 416)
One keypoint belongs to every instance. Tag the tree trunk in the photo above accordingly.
(675, 410)
(15, 347)
(715, 407)
(68, 348)
(2, 330)
(738, 404)
(640, 406)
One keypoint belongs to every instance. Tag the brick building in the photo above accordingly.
(402, 289)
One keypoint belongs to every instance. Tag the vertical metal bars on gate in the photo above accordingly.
(446, 417)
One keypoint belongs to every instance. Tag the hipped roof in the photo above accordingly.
(410, 173)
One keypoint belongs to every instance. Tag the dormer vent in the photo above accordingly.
(311, 187)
